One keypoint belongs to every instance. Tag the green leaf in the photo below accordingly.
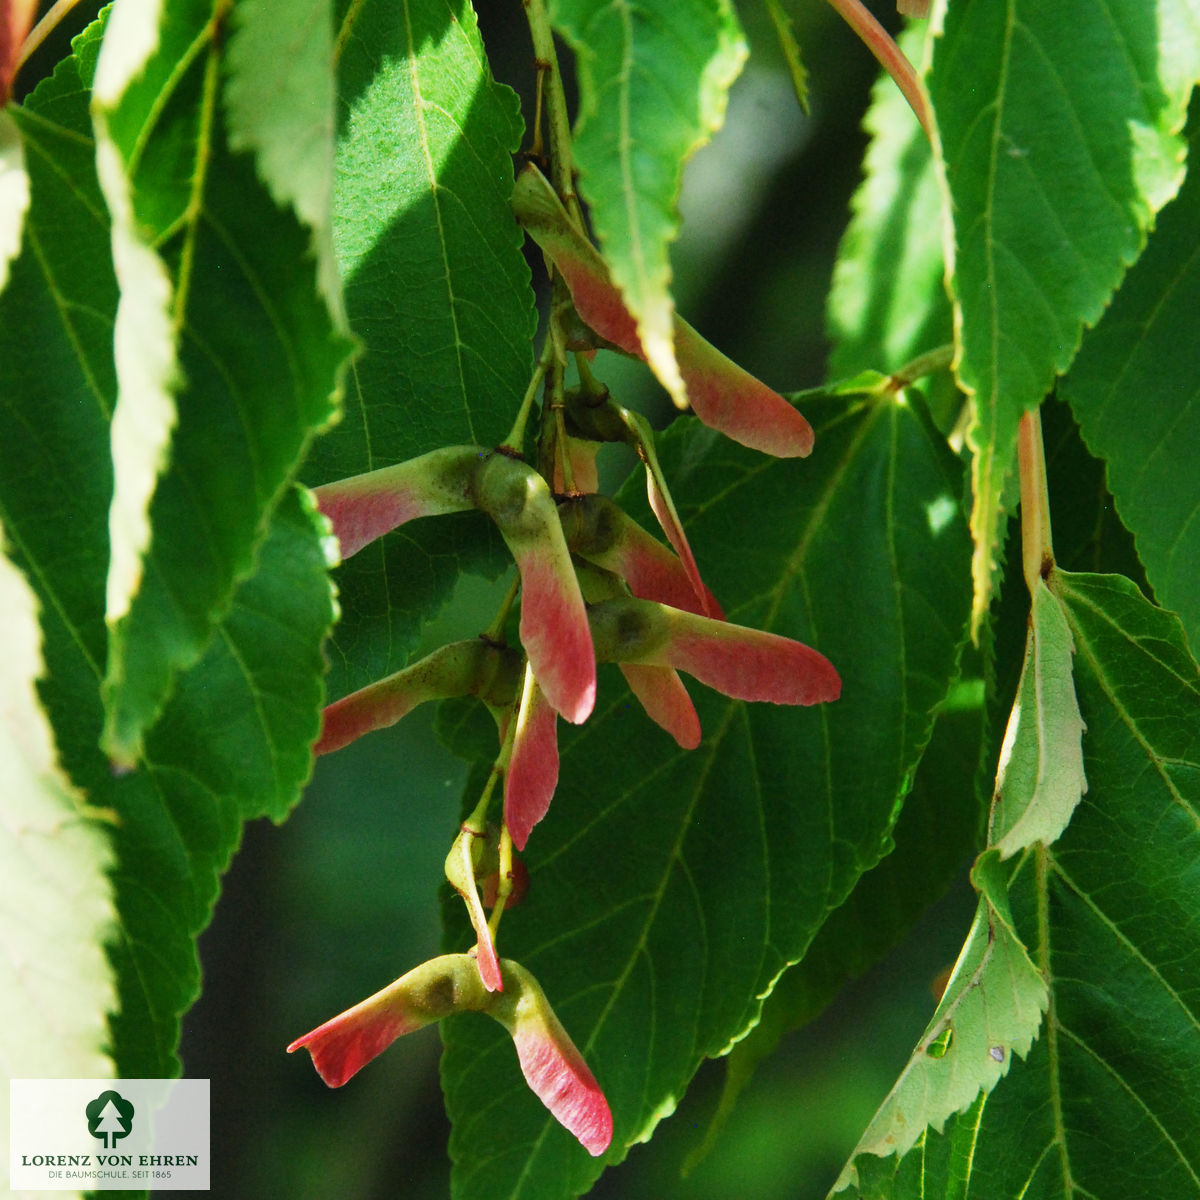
(228, 356)
(1135, 390)
(937, 834)
(888, 301)
(1108, 1101)
(234, 738)
(653, 82)
(670, 889)
(1040, 779)
(436, 289)
(56, 985)
(1058, 128)
(280, 100)
(994, 1000)
(990, 1010)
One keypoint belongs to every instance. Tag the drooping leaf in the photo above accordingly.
(1058, 129)
(234, 739)
(991, 1009)
(1135, 390)
(1040, 779)
(436, 290)
(229, 358)
(56, 985)
(1108, 1101)
(673, 887)
(994, 1000)
(653, 82)
(888, 303)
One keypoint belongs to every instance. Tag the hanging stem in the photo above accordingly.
(938, 359)
(42, 30)
(516, 435)
(562, 166)
(504, 883)
(495, 631)
(1037, 552)
(890, 56)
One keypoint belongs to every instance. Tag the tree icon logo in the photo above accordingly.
(109, 1117)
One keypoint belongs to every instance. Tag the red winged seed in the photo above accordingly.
(364, 507)
(749, 664)
(532, 772)
(722, 394)
(661, 693)
(554, 628)
(342, 1046)
(553, 1068)
(664, 510)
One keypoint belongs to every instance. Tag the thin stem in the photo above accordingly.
(562, 166)
(890, 56)
(938, 359)
(42, 30)
(476, 823)
(516, 435)
(504, 882)
(495, 631)
(1037, 551)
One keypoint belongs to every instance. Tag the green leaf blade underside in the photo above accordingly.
(1135, 391)
(990, 1011)
(653, 82)
(1041, 776)
(1108, 1102)
(246, 360)
(234, 740)
(695, 878)
(1059, 136)
(437, 291)
(888, 301)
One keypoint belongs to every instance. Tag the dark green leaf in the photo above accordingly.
(670, 889)
(1135, 390)
(936, 836)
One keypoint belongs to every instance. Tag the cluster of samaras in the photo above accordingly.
(594, 587)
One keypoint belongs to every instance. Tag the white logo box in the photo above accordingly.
(57, 1143)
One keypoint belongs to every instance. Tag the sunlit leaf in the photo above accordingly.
(228, 356)
(653, 82)
(56, 985)
(436, 291)
(1058, 134)
(234, 738)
